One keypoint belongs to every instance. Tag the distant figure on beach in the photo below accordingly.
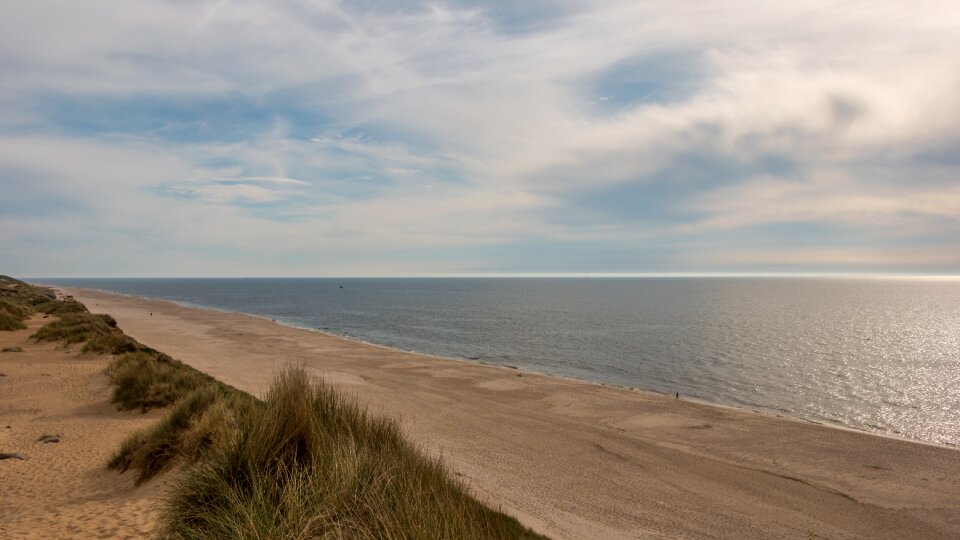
(678, 395)
(151, 314)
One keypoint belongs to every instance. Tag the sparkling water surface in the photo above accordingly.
(879, 354)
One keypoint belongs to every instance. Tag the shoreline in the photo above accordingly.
(748, 409)
(577, 459)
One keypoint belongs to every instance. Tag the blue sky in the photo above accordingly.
(312, 138)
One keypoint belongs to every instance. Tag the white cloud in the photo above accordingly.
(499, 124)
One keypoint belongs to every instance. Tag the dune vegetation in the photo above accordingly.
(304, 462)
(18, 301)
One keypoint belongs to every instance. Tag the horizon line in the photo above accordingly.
(585, 275)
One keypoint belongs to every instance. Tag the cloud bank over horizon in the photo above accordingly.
(245, 138)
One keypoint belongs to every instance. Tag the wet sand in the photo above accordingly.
(574, 459)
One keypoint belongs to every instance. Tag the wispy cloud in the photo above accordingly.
(826, 200)
(399, 171)
(229, 193)
(267, 179)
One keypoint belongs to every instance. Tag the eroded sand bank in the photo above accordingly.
(580, 460)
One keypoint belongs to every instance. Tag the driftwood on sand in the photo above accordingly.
(13, 456)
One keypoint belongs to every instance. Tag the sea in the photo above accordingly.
(880, 354)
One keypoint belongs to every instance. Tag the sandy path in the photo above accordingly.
(580, 460)
(64, 490)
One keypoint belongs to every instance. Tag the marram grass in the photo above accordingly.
(147, 379)
(75, 327)
(199, 423)
(9, 322)
(308, 464)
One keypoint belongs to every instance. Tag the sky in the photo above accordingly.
(316, 138)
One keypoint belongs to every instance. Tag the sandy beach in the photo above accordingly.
(64, 489)
(573, 459)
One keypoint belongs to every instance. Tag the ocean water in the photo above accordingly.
(878, 354)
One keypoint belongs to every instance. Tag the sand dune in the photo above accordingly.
(64, 489)
(580, 460)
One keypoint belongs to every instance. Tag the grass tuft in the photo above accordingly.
(146, 379)
(17, 301)
(17, 310)
(61, 307)
(113, 343)
(307, 463)
(75, 327)
(9, 322)
(200, 422)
